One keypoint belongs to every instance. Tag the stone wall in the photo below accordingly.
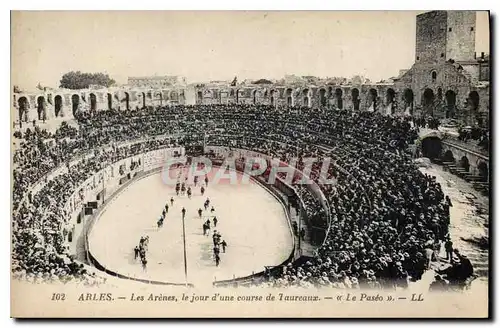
(63, 103)
(431, 37)
(461, 35)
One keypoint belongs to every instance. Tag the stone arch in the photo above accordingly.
(482, 168)
(432, 147)
(390, 95)
(473, 101)
(322, 97)
(23, 105)
(464, 163)
(273, 97)
(434, 76)
(174, 96)
(451, 102)
(448, 156)
(428, 99)
(93, 102)
(127, 101)
(40, 108)
(159, 96)
(372, 99)
(408, 98)
(75, 103)
(110, 101)
(289, 97)
(355, 98)
(338, 98)
(58, 105)
(305, 98)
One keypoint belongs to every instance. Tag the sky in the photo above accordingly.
(204, 46)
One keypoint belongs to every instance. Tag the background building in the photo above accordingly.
(156, 81)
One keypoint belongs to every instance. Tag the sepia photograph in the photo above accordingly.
(250, 164)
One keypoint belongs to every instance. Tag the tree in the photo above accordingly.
(78, 80)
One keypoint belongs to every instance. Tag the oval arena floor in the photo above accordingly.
(250, 220)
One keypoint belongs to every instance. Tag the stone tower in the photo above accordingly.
(444, 35)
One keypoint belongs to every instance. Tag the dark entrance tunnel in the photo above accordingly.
(432, 147)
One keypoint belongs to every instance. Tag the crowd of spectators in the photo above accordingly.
(380, 217)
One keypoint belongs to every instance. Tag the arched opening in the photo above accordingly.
(40, 106)
(473, 101)
(322, 97)
(355, 98)
(338, 97)
(464, 163)
(174, 96)
(58, 103)
(448, 157)
(75, 102)
(159, 97)
(237, 96)
(305, 99)
(200, 97)
(127, 101)
(23, 109)
(373, 95)
(482, 167)
(254, 97)
(408, 100)
(390, 95)
(110, 101)
(289, 98)
(434, 76)
(143, 100)
(431, 147)
(273, 99)
(93, 102)
(451, 101)
(428, 101)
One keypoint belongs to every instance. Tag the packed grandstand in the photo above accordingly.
(382, 214)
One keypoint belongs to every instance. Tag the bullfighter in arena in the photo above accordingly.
(200, 211)
(171, 201)
(223, 245)
(202, 189)
(205, 229)
(217, 259)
